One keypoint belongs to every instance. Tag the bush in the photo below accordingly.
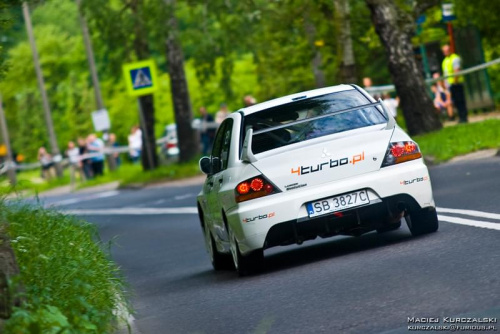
(70, 285)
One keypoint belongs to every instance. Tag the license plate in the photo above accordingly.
(337, 203)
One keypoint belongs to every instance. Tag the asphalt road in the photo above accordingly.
(370, 284)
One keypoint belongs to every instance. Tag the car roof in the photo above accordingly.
(290, 98)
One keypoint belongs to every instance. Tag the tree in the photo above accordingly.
(395, 26)
(188, 145)
(348, 64)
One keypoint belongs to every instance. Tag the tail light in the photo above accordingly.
(170, 145)
(254, 188)
(401, 152)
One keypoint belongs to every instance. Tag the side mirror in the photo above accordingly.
(206, 165)
(216, 165)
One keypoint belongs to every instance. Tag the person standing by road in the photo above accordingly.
(207, 130)
(451, 64)
(249, 101)
(45, 159)
(114, 144)
(135, 143)
(221, 115)
(86, 164)
(73, 154)
(96, 147)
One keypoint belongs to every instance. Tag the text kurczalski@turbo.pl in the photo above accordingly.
(452, 324)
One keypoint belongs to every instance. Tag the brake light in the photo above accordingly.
(401, 152)
(243, 188)
(254, 188)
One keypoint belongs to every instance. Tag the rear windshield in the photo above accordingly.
(311, 118)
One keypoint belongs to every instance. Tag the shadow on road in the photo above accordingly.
(299, 256)
(334, 248)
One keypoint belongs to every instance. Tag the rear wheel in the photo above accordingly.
(422, 221)
(390, 227)
(219, 261)
(248, 264)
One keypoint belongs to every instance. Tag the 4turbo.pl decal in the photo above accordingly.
(415, 180)
(259, 217)
(332, 163)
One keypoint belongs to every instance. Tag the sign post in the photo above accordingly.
(141, 79)
(11, 170)
(448, 15)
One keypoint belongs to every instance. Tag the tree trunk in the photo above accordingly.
(348, 63)
(316, 61)
(188, 143)
(141, 49)
(395, 29)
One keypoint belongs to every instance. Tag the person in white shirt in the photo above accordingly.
(135, 143)
(221, 115)
(391, 104)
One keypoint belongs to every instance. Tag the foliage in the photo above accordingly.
(232, 48)
(482, 14)
(460, 139)
(30, 183)
(70, 284)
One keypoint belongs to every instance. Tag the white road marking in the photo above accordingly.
(470, 222)
(86, 198)
(470, 213)
(134, 211)
(181, 197)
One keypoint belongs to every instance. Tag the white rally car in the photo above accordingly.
(320, 163)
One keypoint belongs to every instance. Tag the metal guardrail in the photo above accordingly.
(196, 124)
(64, 161)
(391, 88)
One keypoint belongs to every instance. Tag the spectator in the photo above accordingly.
(73, 154)
(95, 147)
(391, 104)
(221, 115)
(367, 83)
(86, 163)
(45, 159)
(249, 100)
(207, 131)
(444, 97)
(135, 143)
(451, 64)
(114, 144)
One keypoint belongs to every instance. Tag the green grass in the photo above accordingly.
(134, 174)
(70, 284)
(460, 139)
(30, 183)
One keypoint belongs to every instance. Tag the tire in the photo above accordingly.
(219, 261)
(248, 264)
(423, 221)
(390, 227)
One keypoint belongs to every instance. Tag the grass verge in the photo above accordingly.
(70, 284)
(29, 182)
(460, 139)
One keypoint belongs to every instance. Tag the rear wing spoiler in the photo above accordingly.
(246, 153)
(248, 156)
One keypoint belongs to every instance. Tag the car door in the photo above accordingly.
(220, 157)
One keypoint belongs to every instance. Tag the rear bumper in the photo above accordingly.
(282, 218)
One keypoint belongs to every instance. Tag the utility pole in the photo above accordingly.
(41, 85)
(11, 170)
(93, 71)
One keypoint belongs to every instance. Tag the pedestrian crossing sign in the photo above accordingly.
(140, 77)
